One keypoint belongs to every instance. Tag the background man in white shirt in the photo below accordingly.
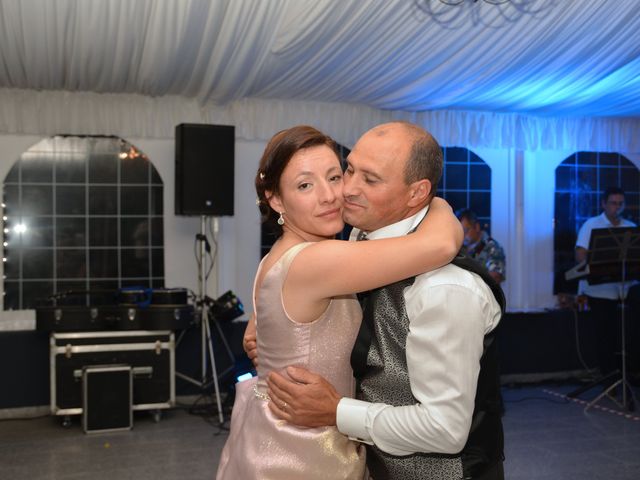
(419, 352)
(603, 298)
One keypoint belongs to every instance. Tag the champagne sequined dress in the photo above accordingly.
(261, 446)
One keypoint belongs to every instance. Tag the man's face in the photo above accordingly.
(613, 206)
(375, 192)
(472, 232)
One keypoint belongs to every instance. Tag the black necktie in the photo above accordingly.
(363, 340)
(362, 235)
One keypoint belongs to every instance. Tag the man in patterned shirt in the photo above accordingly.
(481, 247)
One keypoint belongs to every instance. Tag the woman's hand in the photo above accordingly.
(250, 342)
(443, 226)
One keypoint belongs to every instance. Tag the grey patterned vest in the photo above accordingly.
(380, 366)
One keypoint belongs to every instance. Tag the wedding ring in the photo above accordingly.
(284, 405)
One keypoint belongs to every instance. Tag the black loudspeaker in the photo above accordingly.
(204, 169)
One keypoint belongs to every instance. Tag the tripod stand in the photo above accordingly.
(614, 255)
(203, 314)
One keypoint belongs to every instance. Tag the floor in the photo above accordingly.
(550, 437)
(547, 437)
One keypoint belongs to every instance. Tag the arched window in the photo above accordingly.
(80, 213)
(466, 183)
(581, 180)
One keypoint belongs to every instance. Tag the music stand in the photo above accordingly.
(614, 256)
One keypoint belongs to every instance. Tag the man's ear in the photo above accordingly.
(274, 201)
(419, 192)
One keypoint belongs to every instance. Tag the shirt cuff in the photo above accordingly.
(351, 419)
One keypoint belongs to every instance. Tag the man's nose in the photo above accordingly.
(349, 186)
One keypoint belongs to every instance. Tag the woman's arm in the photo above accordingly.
(335, 267)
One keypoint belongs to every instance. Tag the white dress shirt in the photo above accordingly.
(450, 310)
(609, 291)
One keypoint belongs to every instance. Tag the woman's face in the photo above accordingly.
(311, 194)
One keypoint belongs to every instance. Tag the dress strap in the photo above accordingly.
(291, 254)
(255, 282)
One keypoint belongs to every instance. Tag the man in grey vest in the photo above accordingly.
(428, 401)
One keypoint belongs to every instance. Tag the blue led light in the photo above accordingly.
(244, 376)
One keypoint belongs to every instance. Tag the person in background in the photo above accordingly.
(481, 247)
(602, 299)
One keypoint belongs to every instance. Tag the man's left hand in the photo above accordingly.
(308, 401)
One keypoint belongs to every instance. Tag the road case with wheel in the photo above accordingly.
(149, 354)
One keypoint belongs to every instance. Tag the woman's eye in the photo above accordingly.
(304, 186)
(335, 178)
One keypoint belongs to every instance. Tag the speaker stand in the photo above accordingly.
(202, 312)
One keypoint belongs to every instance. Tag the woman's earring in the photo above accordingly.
(281, 219)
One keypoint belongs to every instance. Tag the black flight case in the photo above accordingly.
(150, 354)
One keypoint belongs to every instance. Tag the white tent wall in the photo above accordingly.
(503, 217)
(11, 146)
(529, 248)
(138, 116)
(522, 151)
(238, 236)
(534, 253)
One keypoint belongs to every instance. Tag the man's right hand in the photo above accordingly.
(307, 400)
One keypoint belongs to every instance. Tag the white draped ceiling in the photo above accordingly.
(528, 81)
(526, 74)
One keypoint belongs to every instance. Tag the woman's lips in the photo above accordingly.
(330, 213)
